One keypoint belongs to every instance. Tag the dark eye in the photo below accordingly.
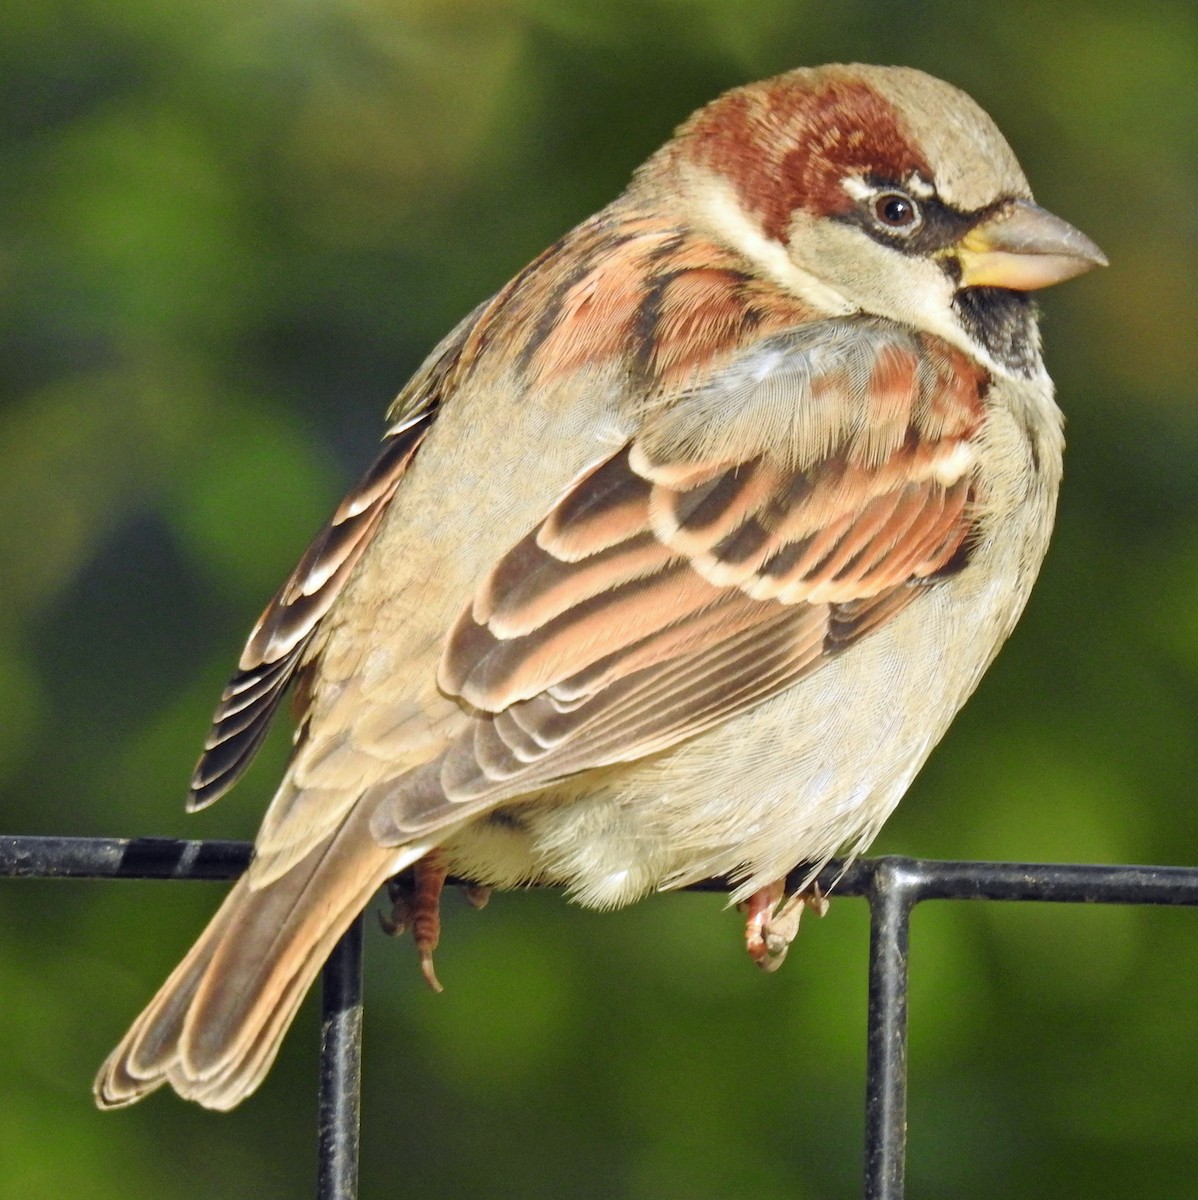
(896, 211)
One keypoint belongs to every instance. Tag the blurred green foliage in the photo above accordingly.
(229, 229)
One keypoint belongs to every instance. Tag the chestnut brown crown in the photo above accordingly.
(789, 143)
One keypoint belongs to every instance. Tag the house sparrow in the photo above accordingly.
(679, 557)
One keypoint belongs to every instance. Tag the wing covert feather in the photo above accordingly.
(690, 575)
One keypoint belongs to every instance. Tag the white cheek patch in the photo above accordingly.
(732, 224)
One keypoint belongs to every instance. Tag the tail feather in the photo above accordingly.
(215, 1026)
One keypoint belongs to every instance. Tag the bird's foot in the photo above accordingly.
(772, 921)
(415, 899)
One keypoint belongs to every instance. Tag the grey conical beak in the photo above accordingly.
(1024, 246)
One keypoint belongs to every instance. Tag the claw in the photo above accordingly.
(773, 921)
(415, 897)
(816, 900)
(428, 970)
(389, 922)
(399, 892)
(416, 904)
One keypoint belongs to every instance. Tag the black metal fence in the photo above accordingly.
(892, 886)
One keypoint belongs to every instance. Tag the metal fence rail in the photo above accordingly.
(892, 886)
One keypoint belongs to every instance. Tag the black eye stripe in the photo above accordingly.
(942, 226)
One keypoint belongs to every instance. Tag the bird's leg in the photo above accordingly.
(416, 903)
(772, 921)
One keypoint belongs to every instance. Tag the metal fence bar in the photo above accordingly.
(891, 898)
(1062, 883)
(892, 885)
(29, 857)
(340, 1069)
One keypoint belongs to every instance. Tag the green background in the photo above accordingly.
(229, 229)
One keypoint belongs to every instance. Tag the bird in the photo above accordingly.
(680, 554)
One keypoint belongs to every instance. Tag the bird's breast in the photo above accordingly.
(814, 770)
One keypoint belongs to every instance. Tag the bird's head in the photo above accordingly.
(878, 190)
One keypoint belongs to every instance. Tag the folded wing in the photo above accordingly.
(792, 504)
(276, 645)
